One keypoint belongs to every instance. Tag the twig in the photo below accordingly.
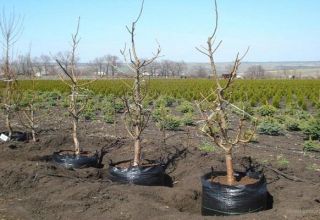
(292, 178)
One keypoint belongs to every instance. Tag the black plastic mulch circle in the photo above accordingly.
(152, 175)
(70, 160)
(218, 199)
(17, 135)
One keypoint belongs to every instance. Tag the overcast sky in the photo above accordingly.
(275, 30)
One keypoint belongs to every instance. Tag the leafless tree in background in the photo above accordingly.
(255, 72)
(164, 69)
(216, 125)
(45, 62)
(180, 68)
(100, 66)
(136, 116)
(112, 62)
(24, 65)
(20, 65)
(200, 71)
(43, 65)
(170, 68)
(153, 69)
(106, 65)
(11, 28)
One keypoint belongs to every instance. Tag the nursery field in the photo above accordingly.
(279, 93)
(286, 147)
(77, 141)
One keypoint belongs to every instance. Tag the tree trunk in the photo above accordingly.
(75, 122)
(8, 124)
(33, 135)
(137, 148)
(75, 136)
(33, 132)
(112, 71)
(164, 136)
(230, 172)
(107, 72)
(137, 135)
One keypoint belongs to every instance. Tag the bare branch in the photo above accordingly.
(65, 71)
(216, 19)
(202, 51)
(140, 13)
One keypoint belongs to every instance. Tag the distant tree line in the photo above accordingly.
(113, 66)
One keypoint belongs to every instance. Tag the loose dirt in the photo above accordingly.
(242, 181)
(32, 187)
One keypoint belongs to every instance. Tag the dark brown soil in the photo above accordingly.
(72, 152)
(32, 187)
(242, 181)
(129, 163)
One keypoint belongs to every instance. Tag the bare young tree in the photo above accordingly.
(100, 65)
(136, 116)
(106, 65)
(11, 28)
(170, 68)
(112, 62)
(19, 65)
(216, 124)
(200, 71)
(153, 69)
(77, 100)
(179, 67)
(165, 68)
(45, 61)
(28, 118)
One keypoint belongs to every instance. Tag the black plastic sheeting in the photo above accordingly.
(73, 161)
(139, 175)
(218, 199)
(17, 135)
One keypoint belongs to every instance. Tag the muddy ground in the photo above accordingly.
(32, 187)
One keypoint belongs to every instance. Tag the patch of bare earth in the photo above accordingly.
(32, 187)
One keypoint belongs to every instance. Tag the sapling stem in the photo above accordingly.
(136, 117)
(216, 123)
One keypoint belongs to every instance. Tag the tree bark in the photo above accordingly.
(137, 148)
(164, 136)
(230, 172)
(8, 124)
(137, 127)
(33, 135)
(75, 136)
(33, 132)
(75, 123)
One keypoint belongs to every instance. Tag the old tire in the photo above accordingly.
(70, 160)
(138, 175)
(218, 199)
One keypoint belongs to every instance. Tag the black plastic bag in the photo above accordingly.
(218, 199)
(73, 161)
(17, 135)
(139, 175)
